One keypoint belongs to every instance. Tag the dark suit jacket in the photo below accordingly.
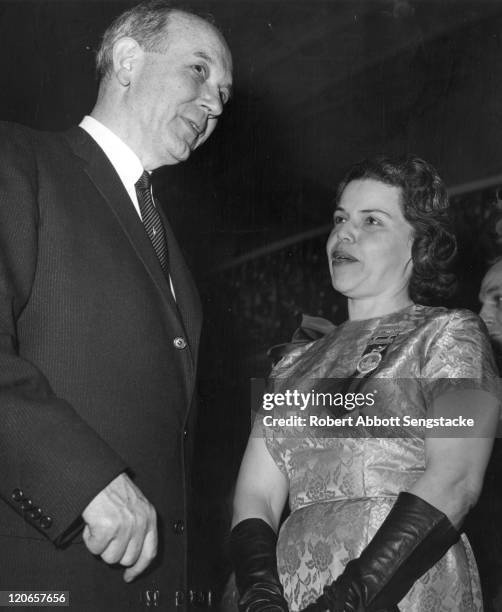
(93, 376)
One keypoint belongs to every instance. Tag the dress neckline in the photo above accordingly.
(382, 319)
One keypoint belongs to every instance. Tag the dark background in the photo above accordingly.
(318, 85)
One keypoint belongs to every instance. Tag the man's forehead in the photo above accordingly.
(197, 35)
(493, 279)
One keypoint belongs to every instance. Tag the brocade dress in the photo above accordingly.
(343, 484)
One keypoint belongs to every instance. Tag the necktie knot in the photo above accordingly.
(144, 181)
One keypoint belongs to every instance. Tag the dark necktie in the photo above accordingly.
(151, 219)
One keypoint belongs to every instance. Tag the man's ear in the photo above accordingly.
(126, 55)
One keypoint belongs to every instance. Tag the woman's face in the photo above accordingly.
(369, 248)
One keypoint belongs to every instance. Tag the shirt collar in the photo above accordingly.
(123, 158)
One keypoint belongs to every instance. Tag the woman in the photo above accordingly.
(375, 520)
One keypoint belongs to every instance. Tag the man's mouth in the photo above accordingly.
(195, 127)
(342, 257)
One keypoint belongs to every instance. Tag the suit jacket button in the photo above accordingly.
(185, 433)
(180, 343)
(35, 514)
(26, 505)
(45, 522)
(179, 527)
(17, 495)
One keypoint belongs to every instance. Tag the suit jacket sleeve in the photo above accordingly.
(52, 462)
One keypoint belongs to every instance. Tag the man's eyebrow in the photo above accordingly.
(491, 289)
(205, 56)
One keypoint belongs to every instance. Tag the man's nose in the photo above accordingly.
(211, 100)
(487, 314)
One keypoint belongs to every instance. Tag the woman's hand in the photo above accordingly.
(412, 538)
(252, 550)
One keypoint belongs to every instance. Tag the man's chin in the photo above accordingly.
(172, 158)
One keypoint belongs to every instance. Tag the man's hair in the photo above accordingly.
(147, 23)
(425, 205)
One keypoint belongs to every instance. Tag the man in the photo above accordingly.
(490, 296)
(99, 325)
(488, 543)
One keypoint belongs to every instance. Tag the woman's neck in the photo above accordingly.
(369, 308)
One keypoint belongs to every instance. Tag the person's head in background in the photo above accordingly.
(490, 296)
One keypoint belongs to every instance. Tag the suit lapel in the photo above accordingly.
(103, 175)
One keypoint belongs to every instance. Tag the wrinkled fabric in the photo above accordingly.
(342, 488)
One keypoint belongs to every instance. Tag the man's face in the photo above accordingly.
(175, 97)
(490, 297)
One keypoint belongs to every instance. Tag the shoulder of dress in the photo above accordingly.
(453, 326)
(439, 314)
(310, 331)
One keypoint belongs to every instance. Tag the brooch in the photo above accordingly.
(369, 362)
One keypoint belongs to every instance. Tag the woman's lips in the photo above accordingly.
(341, 257)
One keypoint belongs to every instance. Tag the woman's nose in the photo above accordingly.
(346, 232)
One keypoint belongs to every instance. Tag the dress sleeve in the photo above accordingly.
(272, 436)
(277, 448)
(277, 439)
(280, 440)
(459, 356)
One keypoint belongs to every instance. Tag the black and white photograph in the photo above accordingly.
(251, 305)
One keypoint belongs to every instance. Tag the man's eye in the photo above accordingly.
(200, 69)
(338, 219)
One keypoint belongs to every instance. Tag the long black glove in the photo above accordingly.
(252, 551)
(413, 537)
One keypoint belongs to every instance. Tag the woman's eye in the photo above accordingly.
(370, 220)
(337, 219)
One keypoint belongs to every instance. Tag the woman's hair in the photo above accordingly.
(425, 206)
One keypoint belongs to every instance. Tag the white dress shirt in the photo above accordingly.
(123, 158)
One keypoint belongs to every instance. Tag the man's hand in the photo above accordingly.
(121, 527)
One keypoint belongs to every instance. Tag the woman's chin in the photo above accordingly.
(342, 285)
(340, 289)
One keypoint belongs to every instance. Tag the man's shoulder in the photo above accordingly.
(26, 146)
(15, 131)
(17, 135)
